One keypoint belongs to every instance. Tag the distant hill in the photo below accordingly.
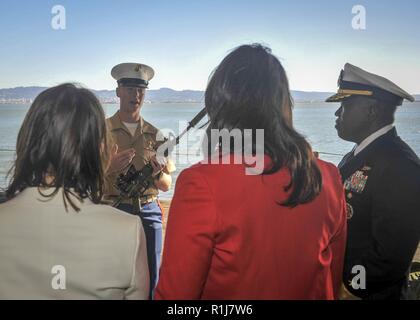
(163, 95)
(310, 96)
(27, 94)
(169, 95)
(20, 93)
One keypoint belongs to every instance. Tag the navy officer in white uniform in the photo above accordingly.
(381, 177)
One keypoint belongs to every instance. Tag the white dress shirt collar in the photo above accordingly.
(372, 138)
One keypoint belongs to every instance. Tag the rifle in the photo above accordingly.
(134, 183)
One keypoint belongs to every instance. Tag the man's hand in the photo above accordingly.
(120, 160)
(162, 172)
(157, 167)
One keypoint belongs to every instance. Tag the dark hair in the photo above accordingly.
(250, 90)
(62, 139)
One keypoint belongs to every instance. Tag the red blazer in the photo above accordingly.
(227, 238)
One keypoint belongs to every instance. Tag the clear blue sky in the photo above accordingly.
(184, 40)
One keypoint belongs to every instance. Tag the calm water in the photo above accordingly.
(315, 120)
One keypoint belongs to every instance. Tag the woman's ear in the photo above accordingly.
(117, 92)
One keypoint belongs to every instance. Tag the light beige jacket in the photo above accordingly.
(48, 253)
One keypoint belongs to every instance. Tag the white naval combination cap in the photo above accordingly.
(356, 81)
(133, 74)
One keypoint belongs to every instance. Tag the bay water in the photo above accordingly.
(315, 120)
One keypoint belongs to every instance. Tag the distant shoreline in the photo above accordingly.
(160, 102)
(106, 102)
(26, 95)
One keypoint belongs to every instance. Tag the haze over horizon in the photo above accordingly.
(162, 95)
(162, 88)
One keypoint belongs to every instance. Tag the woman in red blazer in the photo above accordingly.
(234, 235)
